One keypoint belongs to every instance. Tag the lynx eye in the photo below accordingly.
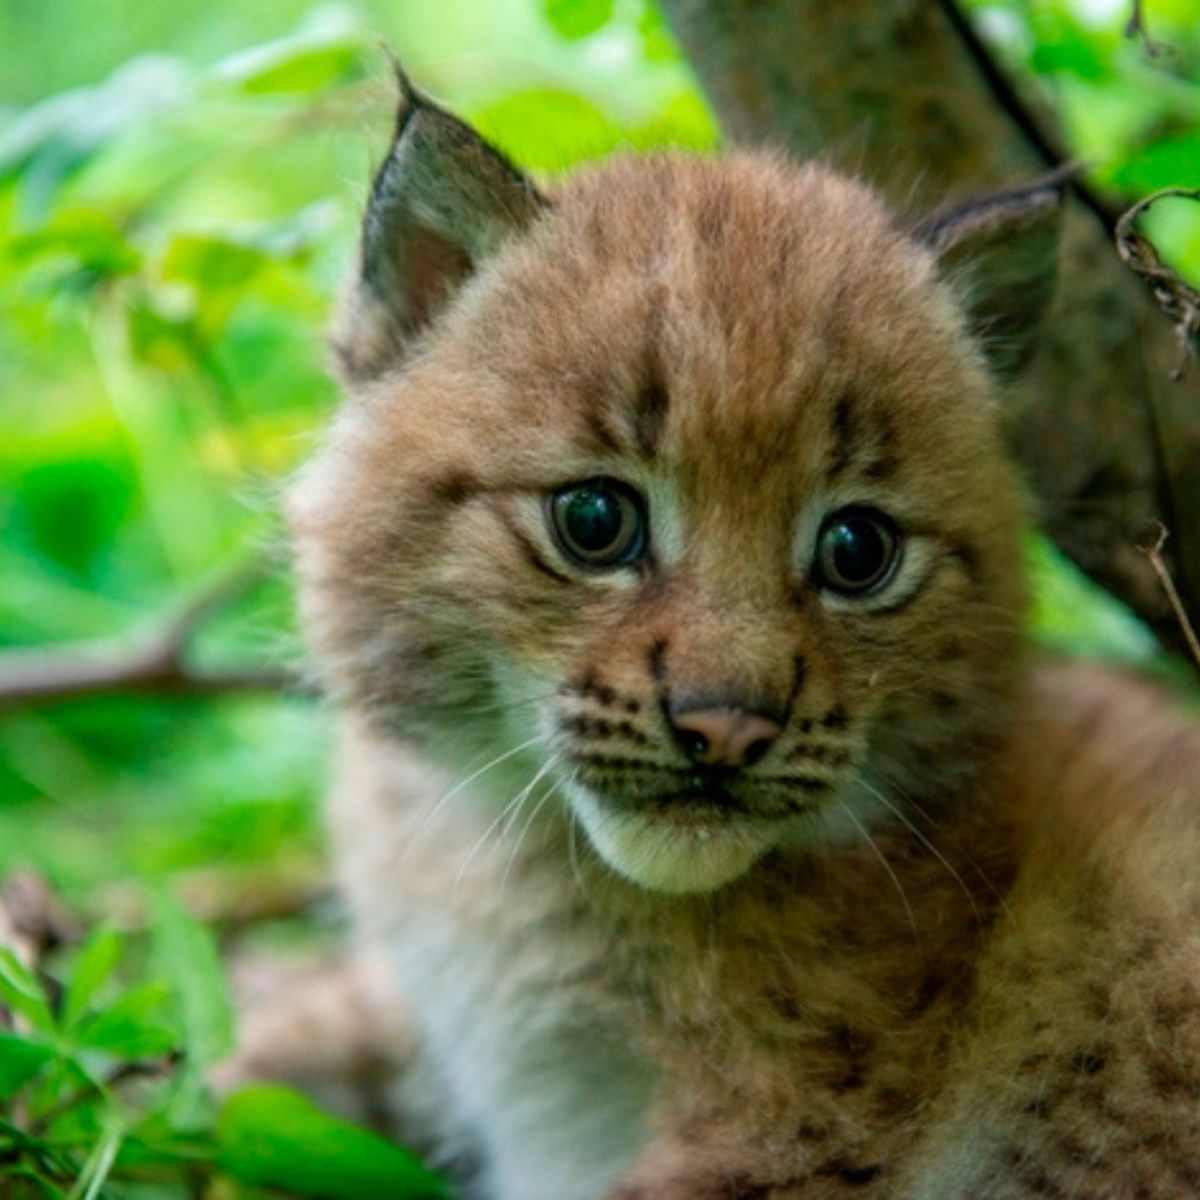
(599, 523)
(857, 551)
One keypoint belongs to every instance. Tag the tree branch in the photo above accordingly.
(157, 665)
(1177, 299)
(1153, 551)
(1009, 99)
(1136, 27)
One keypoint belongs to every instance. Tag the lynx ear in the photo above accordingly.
(442, 200)
(1003, 246)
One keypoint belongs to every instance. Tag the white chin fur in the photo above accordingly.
(665, 858)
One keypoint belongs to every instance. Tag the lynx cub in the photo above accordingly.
(697, 793)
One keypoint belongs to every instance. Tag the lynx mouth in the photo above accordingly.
(676, 842)
(692, 799)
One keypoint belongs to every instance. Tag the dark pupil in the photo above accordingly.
(858, 550)
(593, 519)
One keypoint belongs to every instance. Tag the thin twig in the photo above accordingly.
(157, 665)
(122, 1073)
(1179, 300)
(1154, 554)
(1008, 98)
(1135, 27)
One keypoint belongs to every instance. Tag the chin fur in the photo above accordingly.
(676, 859)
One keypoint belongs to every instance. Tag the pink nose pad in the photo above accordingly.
(725, 737)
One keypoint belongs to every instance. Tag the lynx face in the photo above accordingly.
(679, 491)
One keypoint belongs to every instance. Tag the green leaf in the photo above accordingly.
(66, 1093)
(547, 129)
(1074, 615)
(220, 269)
(575, 19)
(1076, 56)
(51, 141)
(210, 262)
(1169, 162)
(187, 957)
(684, 122)
(92, 967)
(134, 1026)
(324, 52)
(37, 1185)
(88, 240)
(219, 272)
(158, 336)
(152, 1142)
(20, 1061)
(99, 1163)
(21, 991)
(657, 43)
(275, 1137)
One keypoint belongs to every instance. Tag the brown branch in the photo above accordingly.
(229, 902)
(1009, 99)
(1136, 27)
(1154, 553)
(120, 1074)
(157, 665)
(1177, 299)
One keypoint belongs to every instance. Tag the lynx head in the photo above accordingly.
(680, 484)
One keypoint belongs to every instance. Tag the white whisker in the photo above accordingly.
(442, 800)
(573, 850)
(928, 844)
(887, 866)
(507, 813)
(529, 820)
(985, 879)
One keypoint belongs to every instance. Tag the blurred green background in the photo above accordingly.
(179, 188)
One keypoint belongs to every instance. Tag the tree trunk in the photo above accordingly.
(890, 90)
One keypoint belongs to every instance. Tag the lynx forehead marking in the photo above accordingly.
(863, 442)
(454, 487)
(844, 437)
(605, 440)
(650, 414)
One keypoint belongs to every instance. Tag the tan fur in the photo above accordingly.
(966, 964)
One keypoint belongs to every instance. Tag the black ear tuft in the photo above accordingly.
(1003, 247)
(442, 200)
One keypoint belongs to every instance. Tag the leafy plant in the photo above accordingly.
(102, 1079)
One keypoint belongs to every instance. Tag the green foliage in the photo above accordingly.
(172, 230)
(153, 1010)
(1129, 101)
(82, 1032)
(272, 1136)
(578, 18)
(1071, 615)
(179, 188)
(171, 237)
(186, 953)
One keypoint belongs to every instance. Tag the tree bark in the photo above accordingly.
(891, 91)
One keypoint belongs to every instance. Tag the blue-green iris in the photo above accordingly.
(599, 523)
(857, 550)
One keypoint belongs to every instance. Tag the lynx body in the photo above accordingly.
(698, 795)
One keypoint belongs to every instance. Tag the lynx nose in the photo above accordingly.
(724, 737)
